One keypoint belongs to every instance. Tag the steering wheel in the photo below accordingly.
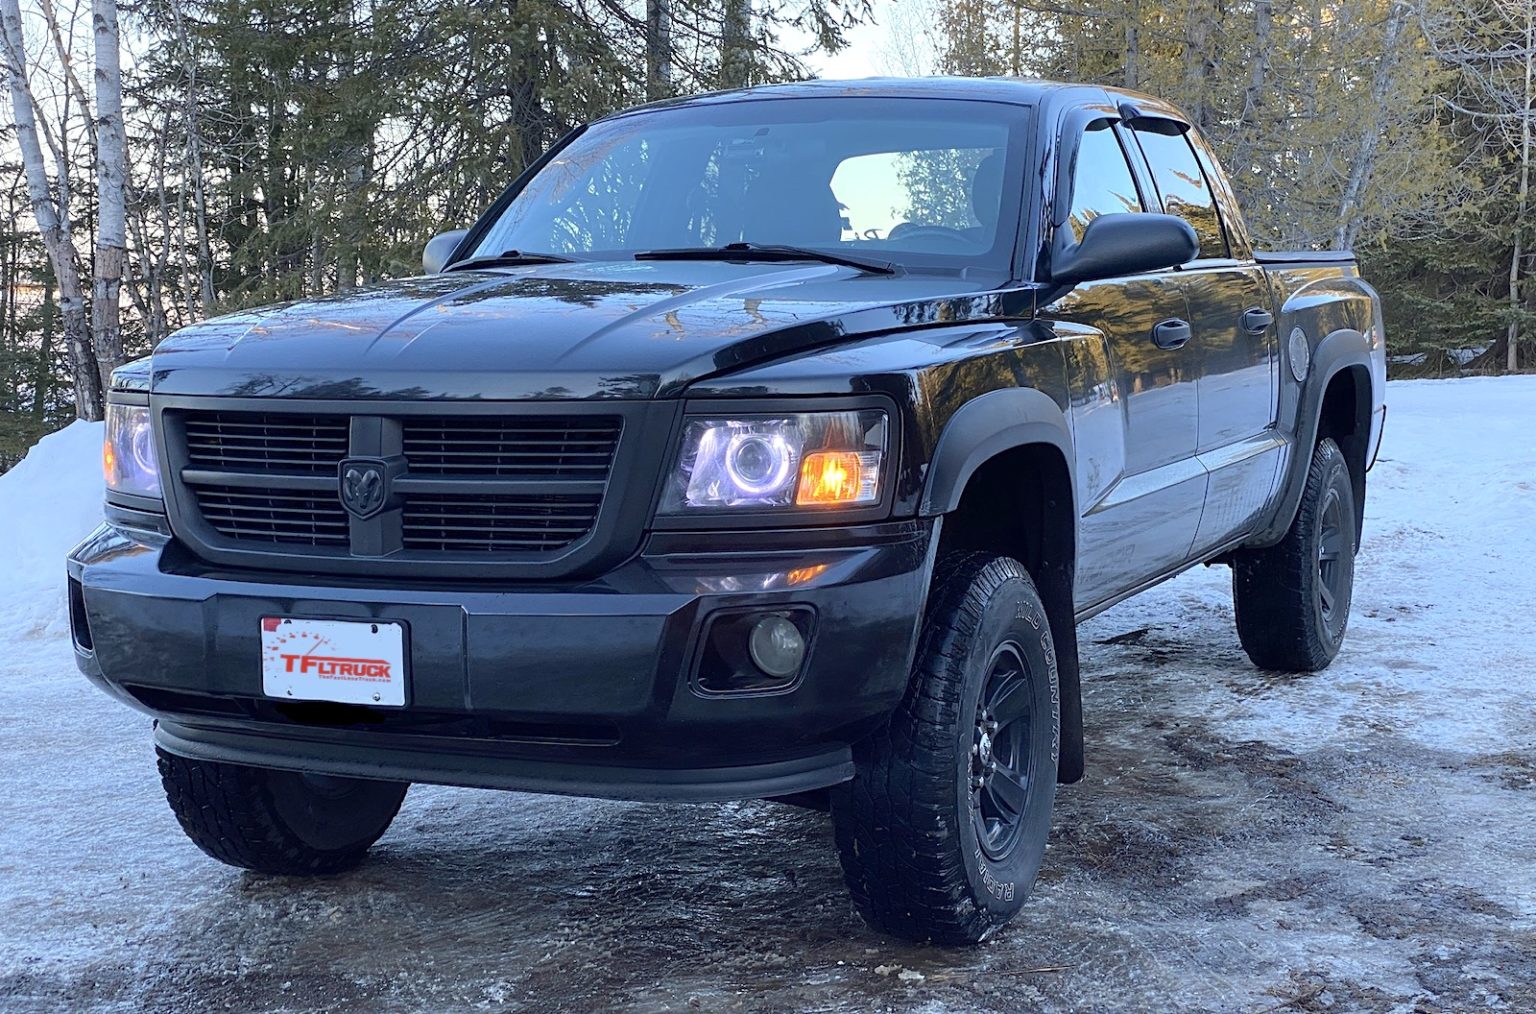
(911, 231)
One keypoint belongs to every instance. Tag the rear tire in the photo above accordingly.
(944, 826)
(283, 822)
(1292, 599)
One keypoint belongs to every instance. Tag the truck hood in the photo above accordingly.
(617, 329)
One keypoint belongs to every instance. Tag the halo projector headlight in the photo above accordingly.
(128, 457)
(796, 462)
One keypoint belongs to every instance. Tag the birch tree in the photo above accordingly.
(1363, 166)
(1523, 191)
(658, 49)
(50, 208)
(735, 44)
(111, 184)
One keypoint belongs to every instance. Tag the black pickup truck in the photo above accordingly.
(765, 444)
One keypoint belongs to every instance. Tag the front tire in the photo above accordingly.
(944, 826)
(282, 822)
(1292, 599)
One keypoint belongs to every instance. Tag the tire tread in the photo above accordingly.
(227, 810)
(896, 824)
(1272, 588)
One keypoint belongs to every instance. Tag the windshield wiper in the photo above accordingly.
(767, 252)
(508, 258)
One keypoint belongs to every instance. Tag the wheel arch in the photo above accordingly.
(1001, 481)
(1334, 401)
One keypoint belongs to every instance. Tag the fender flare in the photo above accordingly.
(1341, 350)
(985, 427)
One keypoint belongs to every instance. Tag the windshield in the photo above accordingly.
(925, 183)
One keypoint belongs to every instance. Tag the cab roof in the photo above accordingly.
(1011, 90)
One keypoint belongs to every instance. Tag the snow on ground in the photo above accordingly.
(1359, 839)
(48, 502)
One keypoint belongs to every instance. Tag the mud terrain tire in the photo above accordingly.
(281, 822)
(943, 827)
(1292, 599)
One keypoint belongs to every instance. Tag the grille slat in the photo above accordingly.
(503, 463)
(434, 436)
(233, 510)
(512, 447)
(601, 453)
(273, 516)
(265, 462)
(265, 442)
(426, 516)
(488, 523)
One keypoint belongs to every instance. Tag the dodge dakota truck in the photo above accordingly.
(763, 444)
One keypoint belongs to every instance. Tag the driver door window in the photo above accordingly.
(1102, 183)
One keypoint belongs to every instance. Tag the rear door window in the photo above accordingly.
(1181, 182)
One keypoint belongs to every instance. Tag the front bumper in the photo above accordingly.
(583, 689)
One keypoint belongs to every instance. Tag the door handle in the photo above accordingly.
(1171, 334)
(1257, 320)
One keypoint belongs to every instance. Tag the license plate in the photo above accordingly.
(346, 661)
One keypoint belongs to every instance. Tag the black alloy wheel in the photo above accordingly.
(1002, 767)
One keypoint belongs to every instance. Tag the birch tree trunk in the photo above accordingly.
(1016, 54)
(735, 52)
(1199, 29)
(111, 184)
(50, 219)
(1364, 163)
(1133, 44)
(658, 49)
(1523, 197)
(1258, 77)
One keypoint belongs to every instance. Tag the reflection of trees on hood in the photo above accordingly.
(267, 385)
(582, 291)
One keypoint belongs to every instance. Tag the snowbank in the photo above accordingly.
(48, 502)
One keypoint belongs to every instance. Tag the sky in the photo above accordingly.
(869, 49)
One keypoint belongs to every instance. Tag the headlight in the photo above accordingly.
(805, 460)
(128, 457)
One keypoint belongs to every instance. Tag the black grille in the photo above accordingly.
(276, 516)
(492, 523)
(253, 442)
(465, 486)
(525, 447)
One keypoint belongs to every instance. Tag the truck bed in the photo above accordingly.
(1293, 257)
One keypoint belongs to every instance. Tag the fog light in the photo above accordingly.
(777, 646)
(750, 651)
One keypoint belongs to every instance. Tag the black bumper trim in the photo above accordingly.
(700, 785)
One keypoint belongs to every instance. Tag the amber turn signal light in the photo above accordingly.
(829, 477)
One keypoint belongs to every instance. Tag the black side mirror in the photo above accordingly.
(439, 248)
(1124, 244)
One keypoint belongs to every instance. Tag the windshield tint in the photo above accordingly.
(920, 182)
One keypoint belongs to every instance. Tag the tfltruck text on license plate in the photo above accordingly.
(346, 661)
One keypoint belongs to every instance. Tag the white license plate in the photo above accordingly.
(347, 661)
